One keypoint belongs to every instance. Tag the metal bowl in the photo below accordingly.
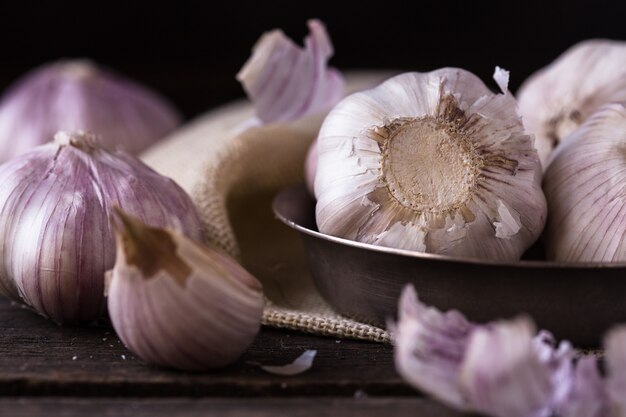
(578, 302)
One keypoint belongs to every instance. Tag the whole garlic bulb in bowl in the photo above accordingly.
(177, 303)
(557, 99)
(585, 185)
(431, 162)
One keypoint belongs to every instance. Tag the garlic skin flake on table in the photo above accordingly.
(55, 202)
(301, 364)
(176, 303)
(79, 95)
(499, 369)
(431, 162)
(557, 99)
(584, 186)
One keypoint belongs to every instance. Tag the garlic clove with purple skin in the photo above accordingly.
(431, 162)
(176, 303)
(584, 185)
(55, 202)
(557, 99)
(79, 95)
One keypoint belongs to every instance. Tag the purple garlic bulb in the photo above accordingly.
(55, 204)
(78, 95)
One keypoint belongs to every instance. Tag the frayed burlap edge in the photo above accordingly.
(333, 324)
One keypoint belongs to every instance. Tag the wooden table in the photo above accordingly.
(46, 370)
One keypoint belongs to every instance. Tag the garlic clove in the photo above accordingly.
(286, 82)
(584, 185)
(79, 95)
(557, 99)
(54, 207)
(431, 162)
(178, 304)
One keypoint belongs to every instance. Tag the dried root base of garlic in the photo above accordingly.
(431, 162)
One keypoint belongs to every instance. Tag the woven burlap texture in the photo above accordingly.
(232, 173)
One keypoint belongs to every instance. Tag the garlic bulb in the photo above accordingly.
(77, 95)
(431, 162)
(558, 98)
(585, 186)
(176, 303)
(55, 203)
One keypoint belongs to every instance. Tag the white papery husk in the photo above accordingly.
(557, 99)
(484, 186)
(615, 359)
(176, 303)
(585, 186)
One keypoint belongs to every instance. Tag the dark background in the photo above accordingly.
(191, 51)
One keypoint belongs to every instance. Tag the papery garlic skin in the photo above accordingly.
(587, 395)
(55, 238)
(501, 375)
(178, 304)
(286, 82)
(429, 347)
(557, 99)
(78, 95)
(498, 369)
(433, 162)
(584, 186)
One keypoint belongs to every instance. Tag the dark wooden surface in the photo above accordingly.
(255, 407)
(87, 371)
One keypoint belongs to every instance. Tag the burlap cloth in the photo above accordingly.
(232, 173)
